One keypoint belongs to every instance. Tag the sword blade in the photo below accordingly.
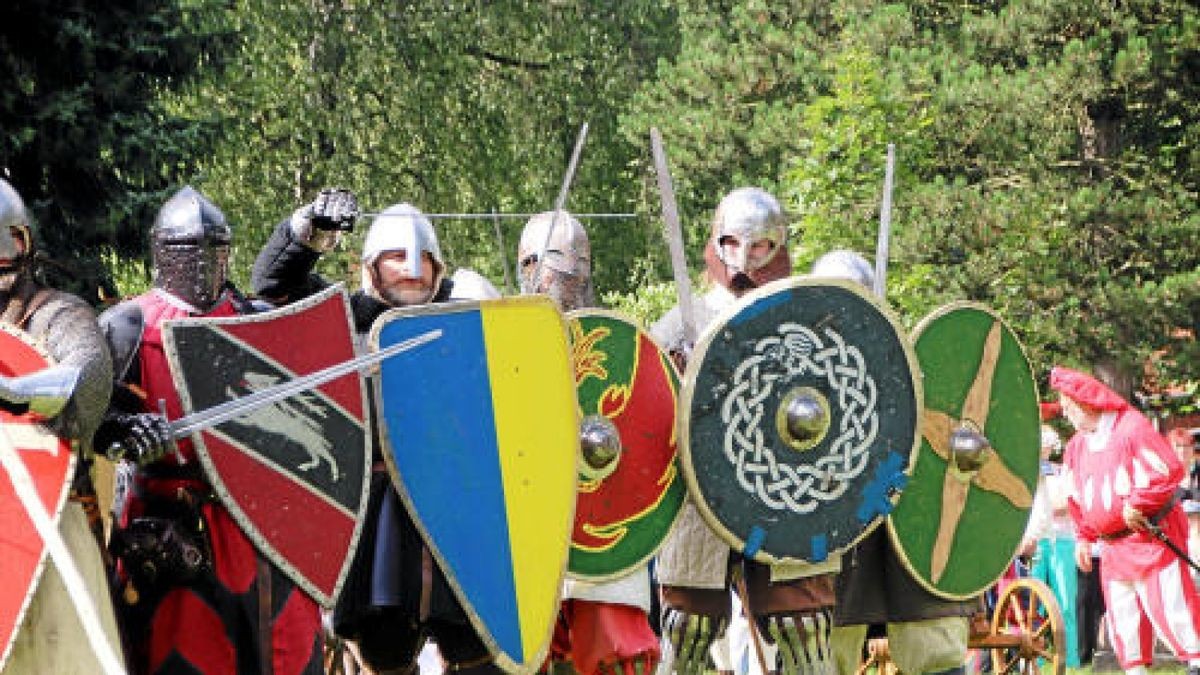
(560, 202)
(674, 235)
(885, 224)
(187, 425)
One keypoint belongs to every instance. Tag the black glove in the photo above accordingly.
(138, 437)
(334, 209)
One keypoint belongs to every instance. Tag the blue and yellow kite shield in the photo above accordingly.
(481, 437)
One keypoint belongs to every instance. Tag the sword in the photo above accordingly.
(89, 617)
(674, 235)
(1162, 536)
(885, 224)
(560, 203)
(222, 412)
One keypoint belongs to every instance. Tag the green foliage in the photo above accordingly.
(84, 138)
(1048, 152)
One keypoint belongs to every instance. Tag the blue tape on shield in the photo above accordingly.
(754, 541)
(889, 478)
(820, 548)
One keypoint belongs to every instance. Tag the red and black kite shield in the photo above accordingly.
(293, 473)
(49, 462)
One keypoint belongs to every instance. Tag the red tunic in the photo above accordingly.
(1135, 465)
(213, 625)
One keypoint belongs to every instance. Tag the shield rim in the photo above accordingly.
(633, 567)
(39, 570)
(894, 538)
(689, 389)
(245, 524)
(501, 658)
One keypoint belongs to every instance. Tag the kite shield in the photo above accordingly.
(294, 473)
(800, 406)
(481, 437)
(964, 512)
(50, 463)
(630, 490)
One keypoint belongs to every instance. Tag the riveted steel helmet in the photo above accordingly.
(14, 227)
(843, 264)
(566, 273)
(190, 244)
(746, 216)
(402, 227)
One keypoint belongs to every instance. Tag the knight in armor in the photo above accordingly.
(1124, 480)
(926, 634)
(789, 604)
(194, 594)
(395, 595)
(602, 627)
(71, 396)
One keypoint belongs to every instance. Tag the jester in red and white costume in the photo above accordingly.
(1125, 476)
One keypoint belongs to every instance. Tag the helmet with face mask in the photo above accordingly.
(190, 244)
(14, 228)
(843, 264)
(749, 238)
(566, 274)
(402, 227)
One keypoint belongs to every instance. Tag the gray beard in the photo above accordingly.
(406, 298)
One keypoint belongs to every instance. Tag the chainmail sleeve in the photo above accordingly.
(67, 327)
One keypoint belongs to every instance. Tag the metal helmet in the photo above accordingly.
(565, 253)
(744, 217)
(844, 264)
(402, 227)
(14, 226)
(190, 244)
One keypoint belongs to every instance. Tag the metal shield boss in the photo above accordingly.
(965, 509)
(481, 437)
(630, 489)
(294, 473)
(50, 462)
(800, 408)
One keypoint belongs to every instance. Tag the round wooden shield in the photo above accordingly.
(629, 497)
(49, 462)
(964, 511)
(800, 409)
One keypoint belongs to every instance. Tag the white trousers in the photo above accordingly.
(1165, 603)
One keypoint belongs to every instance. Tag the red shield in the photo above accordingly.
(294, 473)
(49, 461)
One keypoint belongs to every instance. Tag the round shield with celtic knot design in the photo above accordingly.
(800, 407)
(630, 490)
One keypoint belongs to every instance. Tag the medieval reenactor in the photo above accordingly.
(1125, 479)
(194, 594)
(747, 249)
(396, 595)
(928, 633)
(70, 396)
(603, 626)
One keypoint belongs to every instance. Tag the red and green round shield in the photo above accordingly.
(964, 511)
(630, 491)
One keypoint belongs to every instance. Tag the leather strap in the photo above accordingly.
(265, 648)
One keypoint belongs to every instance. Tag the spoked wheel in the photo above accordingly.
(1027, 611)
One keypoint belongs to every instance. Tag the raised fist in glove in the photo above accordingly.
(319, 225)
(138, 437)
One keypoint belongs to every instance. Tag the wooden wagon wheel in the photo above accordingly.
(1028, 611)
